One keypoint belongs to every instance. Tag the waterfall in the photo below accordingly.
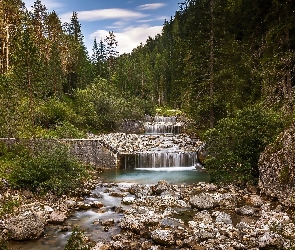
(165, 119)
(162, 125)
(166, 159)
(162, 146)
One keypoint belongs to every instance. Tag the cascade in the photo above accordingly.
(162, 125)
(170, 151)
(164, 159)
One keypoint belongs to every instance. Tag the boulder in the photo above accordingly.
(228, 201)
(140, 190)
(254, 200)
(26, 226)
(271, 240)
(223, 217)
(57, 217)
(161, 186)
(163, 237)
(128, 200)
(202, 201)
(70, 203)
(245, 210)
(276, 168)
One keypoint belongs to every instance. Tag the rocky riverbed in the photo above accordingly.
(163, 216)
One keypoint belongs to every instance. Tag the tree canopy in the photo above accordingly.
(214, 59)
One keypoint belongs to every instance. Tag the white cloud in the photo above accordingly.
(130, 37)
(160, 18)
(151, 6)
(103, 14)
(50, 5)
(118, 25)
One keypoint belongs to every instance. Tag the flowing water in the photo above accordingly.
(167, 162)
(163, 125)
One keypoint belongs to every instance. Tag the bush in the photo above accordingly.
(235, 144)
(77, 241)
(46, 166)
(103, 108)
(164, 111)
(55, 111)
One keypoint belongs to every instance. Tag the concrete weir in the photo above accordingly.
(93, 152)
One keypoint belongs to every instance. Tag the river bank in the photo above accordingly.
(162, 216)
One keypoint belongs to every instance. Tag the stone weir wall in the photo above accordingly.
(89, 151)
(92, 151)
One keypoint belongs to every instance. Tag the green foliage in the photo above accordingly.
(53, 111)
(102, 107)
(235, 144)
(46, 166)
(56, 118)
(168, 111)
(77, 241)
(3, 244)
(67, 130)
(8, 206)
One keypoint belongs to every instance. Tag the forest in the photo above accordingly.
(228, 65)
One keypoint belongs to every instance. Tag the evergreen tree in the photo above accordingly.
(98, 58)
(55, 74)
(27, 68)
(111, 52)
(78, 67)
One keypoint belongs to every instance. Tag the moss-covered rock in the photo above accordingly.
(277, 168)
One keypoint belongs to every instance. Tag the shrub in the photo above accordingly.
(46, 166)
(54, 111)
(77, 241)
(235, 144)
(103, 108)
(8, 206)
(164, 111)
(3, 244)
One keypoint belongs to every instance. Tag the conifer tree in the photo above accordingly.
(98, 58)
(55, 73)
(78, 68)
(111, 52)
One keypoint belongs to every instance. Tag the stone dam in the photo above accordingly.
(162, 145)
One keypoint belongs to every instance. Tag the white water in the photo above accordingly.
(166, 159)
(163, 125)
(165, 119)
(168, 169)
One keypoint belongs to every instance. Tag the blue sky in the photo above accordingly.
(131, 21)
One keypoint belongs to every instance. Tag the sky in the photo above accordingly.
(132, 21)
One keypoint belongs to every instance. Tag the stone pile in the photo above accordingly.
(202, 216)
(135, 143)
(165, 216)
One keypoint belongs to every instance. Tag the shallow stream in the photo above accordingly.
(56, 236)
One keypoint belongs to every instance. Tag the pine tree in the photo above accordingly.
(55, 74)
(111, 52)
(78, 67)
(98, 58)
